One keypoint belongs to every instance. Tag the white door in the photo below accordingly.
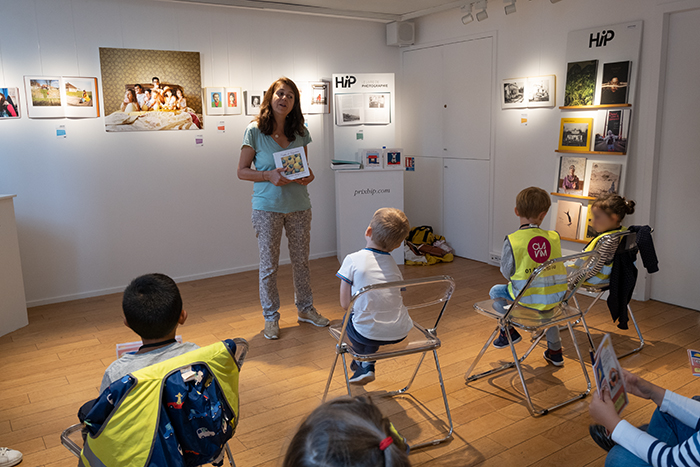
(466, 207)
(677, 223)
(468, 99)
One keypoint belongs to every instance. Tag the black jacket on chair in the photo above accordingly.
(623, 276)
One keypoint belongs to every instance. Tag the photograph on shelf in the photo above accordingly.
(392, 158)
(602, 178)
(363, 109)
(253, 99)
(293, 161)
(372, 159)
(214, 101)
(9, 103)
(513, 93)
(580, 83)
(314, 97)
(613, 89)
(611, 128)
(232, 101)
(151, 90)
(568, 216)
(590, 233)
(572, 172)
(541, 91)
(62, 96)
(575, 134)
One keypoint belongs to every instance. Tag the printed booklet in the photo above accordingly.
(294, 163)
(694, 357)
(608, 374)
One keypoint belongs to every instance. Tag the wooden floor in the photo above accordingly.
(53, 365)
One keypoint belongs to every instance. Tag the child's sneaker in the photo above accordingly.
(554, 357)
(9, 457)
(364, 374)
(502, 341)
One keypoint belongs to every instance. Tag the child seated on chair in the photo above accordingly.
(608, 212)
(372, 322)
(152, 308)
(523, 252)
(347, 432)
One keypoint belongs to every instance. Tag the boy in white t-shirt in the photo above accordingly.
(380, 318)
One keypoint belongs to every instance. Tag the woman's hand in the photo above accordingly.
(602, 411)
(276, 178)
(306, 180)
(643, 388)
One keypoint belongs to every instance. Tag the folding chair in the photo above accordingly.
(518, 316)
(611, 246)
(72, 437)
(432, 292)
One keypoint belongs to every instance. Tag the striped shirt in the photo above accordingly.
(658, 453)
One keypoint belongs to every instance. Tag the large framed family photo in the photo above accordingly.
(151, 90)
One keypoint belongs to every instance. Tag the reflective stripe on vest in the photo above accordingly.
(129, 433)
(531, 248)
(601, 279)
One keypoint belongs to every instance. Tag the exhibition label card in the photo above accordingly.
(694, 357)
(199, 141)
(608, 374)
(61, 132)
(294, 163)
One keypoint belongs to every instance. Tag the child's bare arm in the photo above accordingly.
(345, 294)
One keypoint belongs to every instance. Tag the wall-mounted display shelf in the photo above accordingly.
(594, 107)
(567, 195)
(602, 153)
(576, 240)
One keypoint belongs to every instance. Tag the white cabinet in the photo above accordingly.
(13, 305)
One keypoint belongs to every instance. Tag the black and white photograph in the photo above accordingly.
(541, 91)
(513, 93)
(253, 101)
(351, 115)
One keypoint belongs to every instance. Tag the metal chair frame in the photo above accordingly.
(629, 245)
(570, 315)
(75, 449)
(430, 334)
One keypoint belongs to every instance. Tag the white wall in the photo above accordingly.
(533, 42)
(97, 209)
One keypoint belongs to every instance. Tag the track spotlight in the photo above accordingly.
(555, 1)
(482, 15)
(468, 17)
(510, 6)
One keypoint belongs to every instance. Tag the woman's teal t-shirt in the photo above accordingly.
(292, 197)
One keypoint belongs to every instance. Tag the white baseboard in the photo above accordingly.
(179, 279)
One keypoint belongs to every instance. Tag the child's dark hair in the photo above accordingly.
(532, 201)
(152, 305)
(346, 432)
(615, 204)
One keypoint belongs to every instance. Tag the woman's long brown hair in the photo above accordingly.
(294, 123)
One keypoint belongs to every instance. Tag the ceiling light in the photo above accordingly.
(482, 15)
(510, 6)
(555, 1)
(468, 18)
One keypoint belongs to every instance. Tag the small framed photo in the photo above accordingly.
(9, 103)
(214, 101)
(314, 97)
(253, 100)
(372, 159)
(541, 91)
(575, 134)
(392, 158)
(44, 96)
(233, 102)
(513, 93)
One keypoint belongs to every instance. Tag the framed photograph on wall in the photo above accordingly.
(233, 101)
(572, 172)
(513, 93)
(575, 134)
(253, 99)
(79, 96)
(580, 83)
(602, 178)
(9, 103)
(44, 96)
(315, 97)
(541, 91)
(214, 101)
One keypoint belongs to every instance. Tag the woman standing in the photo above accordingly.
(278, 202)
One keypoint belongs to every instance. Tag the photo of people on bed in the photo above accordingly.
(147, 90)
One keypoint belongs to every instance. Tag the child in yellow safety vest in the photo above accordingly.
(523, 252)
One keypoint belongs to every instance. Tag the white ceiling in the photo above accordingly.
(375, 10)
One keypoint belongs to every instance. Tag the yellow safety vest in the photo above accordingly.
(128, 435)
(601, 279)
(532, 247)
